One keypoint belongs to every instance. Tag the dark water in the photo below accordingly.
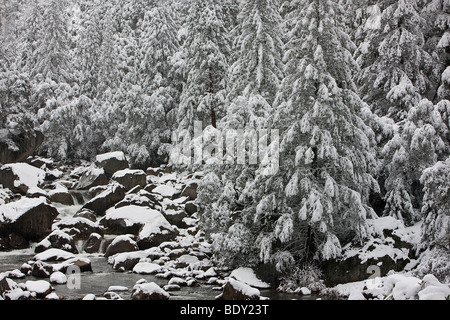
(102, 277)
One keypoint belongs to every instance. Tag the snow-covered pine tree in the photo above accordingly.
(254, 82)
(89, 48)
(423, 140)
(436, 205)
(207, 50)
(319, 198)
(52, 51)
(395, 68)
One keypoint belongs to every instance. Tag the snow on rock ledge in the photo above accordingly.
(237, 290)
(248, 276)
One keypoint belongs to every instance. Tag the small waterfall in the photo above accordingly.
(79, 244)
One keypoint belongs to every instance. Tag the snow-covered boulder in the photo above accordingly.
(61, 195)
(58, 278)
(54, 255)
(111, 162)
(40, 287)
(149, 291)
(190, 191)
(21, 177)
(121, 244)
(248, 276)
(92, 177)
(114, 193)
(93, 243)
(18, 145)
(149, 224)
(42, 270)
(130, 178)
(146, 268)
(237, 290)
(58, 239)
(81, 228)
(30, 218)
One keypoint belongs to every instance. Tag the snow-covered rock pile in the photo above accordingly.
(391, 247)
(142, 222)
(393, 287)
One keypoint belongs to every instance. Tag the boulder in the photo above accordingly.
(42, 270)
(149, 291)
(129, 219)
(121, 244)
(6, 284)
(93, 243)
(58, 239)
(87, 214)
(52, 255)
(106, 199)
(81, 228)
(175, 217)
(138, 199)
(18, 145)
(21, 177)
(82, 264)
(93, 177)
(190, 208)
(40, 287)
(237, 290)
(14, 241)
(111, 162)
(130, 178)
(190, 191)
(61, 195)
(155, 232)
(30, 218)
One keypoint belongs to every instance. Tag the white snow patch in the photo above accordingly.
(53, 253)
(119, 155)
(244, 288)
(248, 276)
(146, 268)
(27, 175)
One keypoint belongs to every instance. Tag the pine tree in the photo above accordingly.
(395, 68)
(436, 205)
(207, 53)
(319, 197)
(51, 54)
(423, 141)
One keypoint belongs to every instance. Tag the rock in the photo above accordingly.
(131, 219)
(172, 287)
(175, 217)
(30, 218)
(40, 287)
(155, 232)
(82, 264)
(356, 268)
(39, 162)
(149, 291)
(61, 195)
(106, 199)
(83, 227)
(16, 241)
(21, 177)
(58, 278)
(236, 290)
(121, 244)
(42, 270)
(139, 199)
(190, 191)
(26, 269)
(178, 281)
(18, 145)
(6, 284)
(58, 239)
(190, 208)
(53, 255)
(93, 243)
(153, 171)
(87, 214)
(130, 178)
(111, 162)
(146, 268)
(93, 177)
